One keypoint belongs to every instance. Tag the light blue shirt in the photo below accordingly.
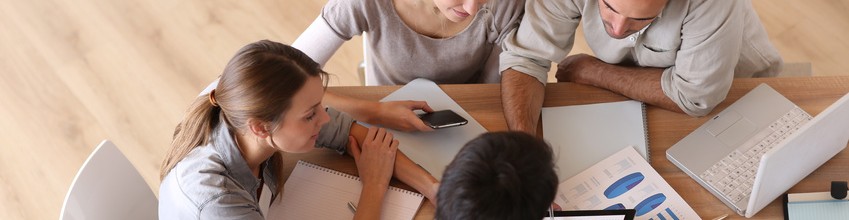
(214, 182)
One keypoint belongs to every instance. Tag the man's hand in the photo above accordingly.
(573, 68)
(638, 83)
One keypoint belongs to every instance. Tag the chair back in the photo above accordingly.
(109, 187)
(361, 68)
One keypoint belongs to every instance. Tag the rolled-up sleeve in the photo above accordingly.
(334, 134)
(711, 38)
(546, 34)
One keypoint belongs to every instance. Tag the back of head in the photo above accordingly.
(500, 175)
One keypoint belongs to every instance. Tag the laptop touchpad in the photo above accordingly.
(723, 121)
(737, 133)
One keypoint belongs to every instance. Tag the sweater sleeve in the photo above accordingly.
(334, 134)
(319, 41)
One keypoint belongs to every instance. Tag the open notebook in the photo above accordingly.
(582, 135)
(815, 205)
(316, 192)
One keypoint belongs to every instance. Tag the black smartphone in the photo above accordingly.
(442, 119)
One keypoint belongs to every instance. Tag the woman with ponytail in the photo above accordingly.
(268, 101)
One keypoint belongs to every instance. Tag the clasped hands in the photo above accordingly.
(573, 68)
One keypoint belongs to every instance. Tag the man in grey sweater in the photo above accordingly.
(679, 55)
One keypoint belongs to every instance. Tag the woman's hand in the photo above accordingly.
(375, 162)
(399, 115)
(396, 115)
(376, 158)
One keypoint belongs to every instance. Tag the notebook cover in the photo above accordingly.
(582, 135)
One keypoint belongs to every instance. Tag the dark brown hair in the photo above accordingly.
(258, 82)
(500, 175)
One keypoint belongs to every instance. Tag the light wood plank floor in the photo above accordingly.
(76, 72)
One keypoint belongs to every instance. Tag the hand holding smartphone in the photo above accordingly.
(442, 119)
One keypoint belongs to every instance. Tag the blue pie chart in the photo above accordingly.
(617, 206)
(650, 203)
(622, 185)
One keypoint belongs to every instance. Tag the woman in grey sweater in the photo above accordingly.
(445, 41)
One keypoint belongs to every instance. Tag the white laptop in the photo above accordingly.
(759, 147)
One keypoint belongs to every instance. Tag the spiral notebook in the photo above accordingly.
(815, 205)
(316, 192)
(583, 135)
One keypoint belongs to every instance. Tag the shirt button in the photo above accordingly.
(632, 38)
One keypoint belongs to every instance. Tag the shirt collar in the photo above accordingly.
(237, 168)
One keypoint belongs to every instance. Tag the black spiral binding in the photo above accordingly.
(349, 176)
(646, 130)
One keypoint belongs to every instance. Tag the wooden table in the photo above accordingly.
(665, 128)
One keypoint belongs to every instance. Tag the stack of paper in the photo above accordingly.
(623, 181)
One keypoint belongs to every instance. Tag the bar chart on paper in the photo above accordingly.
(623, 181)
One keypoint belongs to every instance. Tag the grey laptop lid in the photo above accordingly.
(726, 131)
(780, 168)
(800, 154)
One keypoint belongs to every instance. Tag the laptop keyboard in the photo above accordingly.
(734, 175)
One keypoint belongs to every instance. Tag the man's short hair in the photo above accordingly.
(500, 175)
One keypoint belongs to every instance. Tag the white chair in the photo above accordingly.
(109, 187)
(361, 68)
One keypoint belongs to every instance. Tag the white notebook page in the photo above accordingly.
(315, 192)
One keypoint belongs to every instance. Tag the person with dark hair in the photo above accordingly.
(268, 101)
(500, 175)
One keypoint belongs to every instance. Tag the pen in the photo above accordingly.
(352, 207)
(721, 217)
(550, 213)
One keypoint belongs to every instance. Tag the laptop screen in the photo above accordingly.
(624, 214)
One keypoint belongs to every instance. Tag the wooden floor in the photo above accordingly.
(73, 73)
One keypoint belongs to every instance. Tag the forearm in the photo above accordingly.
(521, 96)
(357, 108)
(638, 83)
(371, 199)
(405, 169)
(414, 175)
